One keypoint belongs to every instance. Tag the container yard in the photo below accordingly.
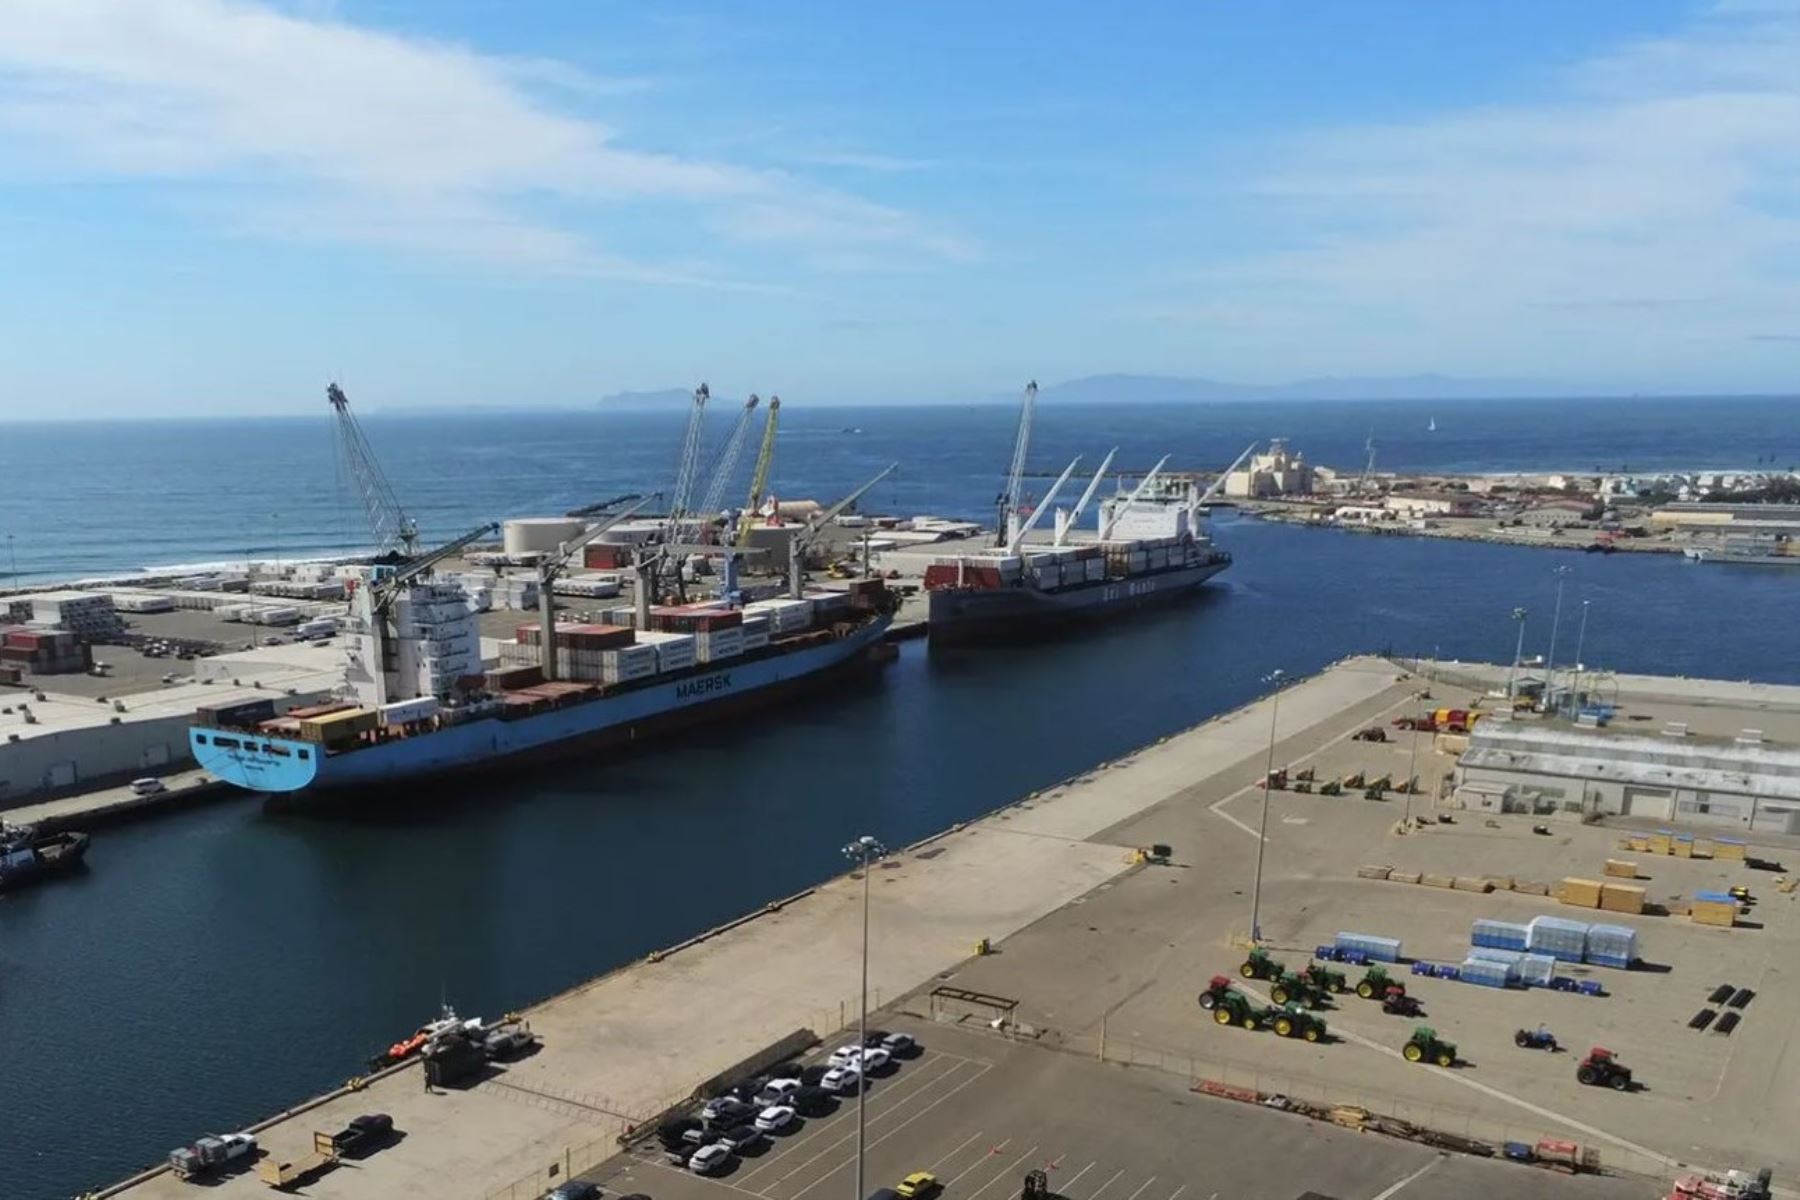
(1035, 952)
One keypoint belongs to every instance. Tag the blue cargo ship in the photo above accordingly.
(490, 731)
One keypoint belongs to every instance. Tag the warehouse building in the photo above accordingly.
(1740, 782)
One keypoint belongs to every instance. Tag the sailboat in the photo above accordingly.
(1431, 425)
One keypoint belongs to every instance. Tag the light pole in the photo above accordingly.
(864, 850)
(13, 554)
(1562, 577)
(1512, 679)
(1580, 639)
(1262, 832)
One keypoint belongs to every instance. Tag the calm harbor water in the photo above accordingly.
(213, 966)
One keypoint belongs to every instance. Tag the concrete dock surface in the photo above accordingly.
(624, 1046)
(1104, 956)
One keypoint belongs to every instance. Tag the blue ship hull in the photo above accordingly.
(263, 764)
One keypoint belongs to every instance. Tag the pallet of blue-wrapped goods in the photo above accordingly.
(1612, 946)
(1493, 954)
(1485, 973)
(1377, 949)
(1537, 970)
(1500, 935)
(1560, 938)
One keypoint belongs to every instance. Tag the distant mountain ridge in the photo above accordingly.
(661, 398)
(1177, 389)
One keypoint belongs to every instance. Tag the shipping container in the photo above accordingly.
(407, 712)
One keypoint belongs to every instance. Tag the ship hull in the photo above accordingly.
(281, 765)
(964, 615)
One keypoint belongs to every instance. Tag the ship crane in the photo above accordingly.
(593, 510)
(1107, 526)
(1010, 499)
(804, 537)
(725, 465)
(1018, 539)
(386, 586)
(551, 566)
(687, 465)
(1212, 489)
(759, 478)
(1064, 523)
(394, 532)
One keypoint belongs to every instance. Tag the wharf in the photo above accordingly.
(116, 805)
(1099, 957)
(622, 1048)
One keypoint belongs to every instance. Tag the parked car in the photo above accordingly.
(875, 1059)
(741, 1137)
(508, 1041)
(918, 1185)
(775, 1118)
(725, 1109)
(901, 1045)
(846, 1054)
(147, 787)
(874, 1037)
(708, 1160)
(674, 1133)
(813, 1101)
(362, 1134)
(575, 1189)
(777, 1091)
(810, 1076)
(842, 1079)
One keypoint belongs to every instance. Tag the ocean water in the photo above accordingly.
(85, 499)
(211, 967)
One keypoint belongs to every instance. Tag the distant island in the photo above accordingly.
(660, 399)
(1177, 389)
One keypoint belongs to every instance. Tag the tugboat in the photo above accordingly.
(26, 855)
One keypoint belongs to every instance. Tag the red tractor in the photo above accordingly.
(1601, 1069)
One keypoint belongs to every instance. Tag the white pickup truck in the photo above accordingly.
(208, 1154)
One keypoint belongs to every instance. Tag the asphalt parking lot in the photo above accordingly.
(980, 1111)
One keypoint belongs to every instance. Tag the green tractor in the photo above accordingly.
(1232, 1008)
(1293, 988)
(1375, 983)
(1425, 1046)
(1331, 787)
(1260, 966)
(1324, 978)
(1292, 1021)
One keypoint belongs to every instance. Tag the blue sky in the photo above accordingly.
(211, 206)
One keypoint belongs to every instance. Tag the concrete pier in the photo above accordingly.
(1100, 956)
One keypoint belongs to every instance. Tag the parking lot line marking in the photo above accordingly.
(1394, 1188)
(1107, 1184)
(687, 1174)
(1215, 807)
(1549, 1114)
(992, 1151)
(940, 1162)
(876, 1142)
(1177, 1192)
(827, 1124)
(1141, 1188)
(1004, 1172)
(1071, 1183)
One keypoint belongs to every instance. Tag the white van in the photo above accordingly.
(147, 787)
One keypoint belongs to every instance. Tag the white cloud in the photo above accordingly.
(1643, 217)
(326, 131)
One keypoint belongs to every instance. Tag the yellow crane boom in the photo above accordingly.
(759, 479)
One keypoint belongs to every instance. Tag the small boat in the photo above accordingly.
(26, 855)
(1431, 425)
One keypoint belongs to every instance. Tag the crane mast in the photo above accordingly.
(1119, 511)
(1015, 479)
(1064, 524)
(759, 478)
(551, 566)
(725, 465)
(803, 538)
(1018, 539)
(394, 532)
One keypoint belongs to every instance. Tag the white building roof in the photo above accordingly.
(1761, 770)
